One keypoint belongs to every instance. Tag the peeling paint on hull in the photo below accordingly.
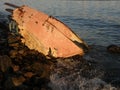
(46, 34)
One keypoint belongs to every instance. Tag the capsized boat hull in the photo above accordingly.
(46, 34)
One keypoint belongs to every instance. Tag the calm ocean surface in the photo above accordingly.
(97, 22)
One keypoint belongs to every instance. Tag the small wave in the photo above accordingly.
(90, 73)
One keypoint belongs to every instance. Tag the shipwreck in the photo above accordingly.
(45, 33)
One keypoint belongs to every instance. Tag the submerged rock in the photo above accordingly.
(113, 49)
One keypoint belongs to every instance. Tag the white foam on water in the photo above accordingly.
(78, 83)
(81, 78)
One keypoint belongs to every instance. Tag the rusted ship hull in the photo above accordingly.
(46, 34)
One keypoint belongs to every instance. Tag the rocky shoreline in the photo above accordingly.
(20, 67)
(25, 69)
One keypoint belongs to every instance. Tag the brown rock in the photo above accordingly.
(13, 53)
(113, 49)
(18, 80)
(43, 89)
(37, 67)
(5, 62)
(14, 45)
(15, 68)
(21, 51)
(46, 72)
(13, 39)
(28, 74)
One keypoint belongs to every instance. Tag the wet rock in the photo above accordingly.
(18, 80)
(36, 88)
(8, 84)
(75, 64)
(5, 63)
(43, 89)
(13, 53)
(14, 45)
(22, 51)
(113, 49)
(20, 67)
(13, 39)
(1, 80)
(46, 71)
(37, 67)
(16, 68)
(28, 74)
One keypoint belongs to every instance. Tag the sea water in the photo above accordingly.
(98, 24)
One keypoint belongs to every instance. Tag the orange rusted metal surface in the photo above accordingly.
(46, 34)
